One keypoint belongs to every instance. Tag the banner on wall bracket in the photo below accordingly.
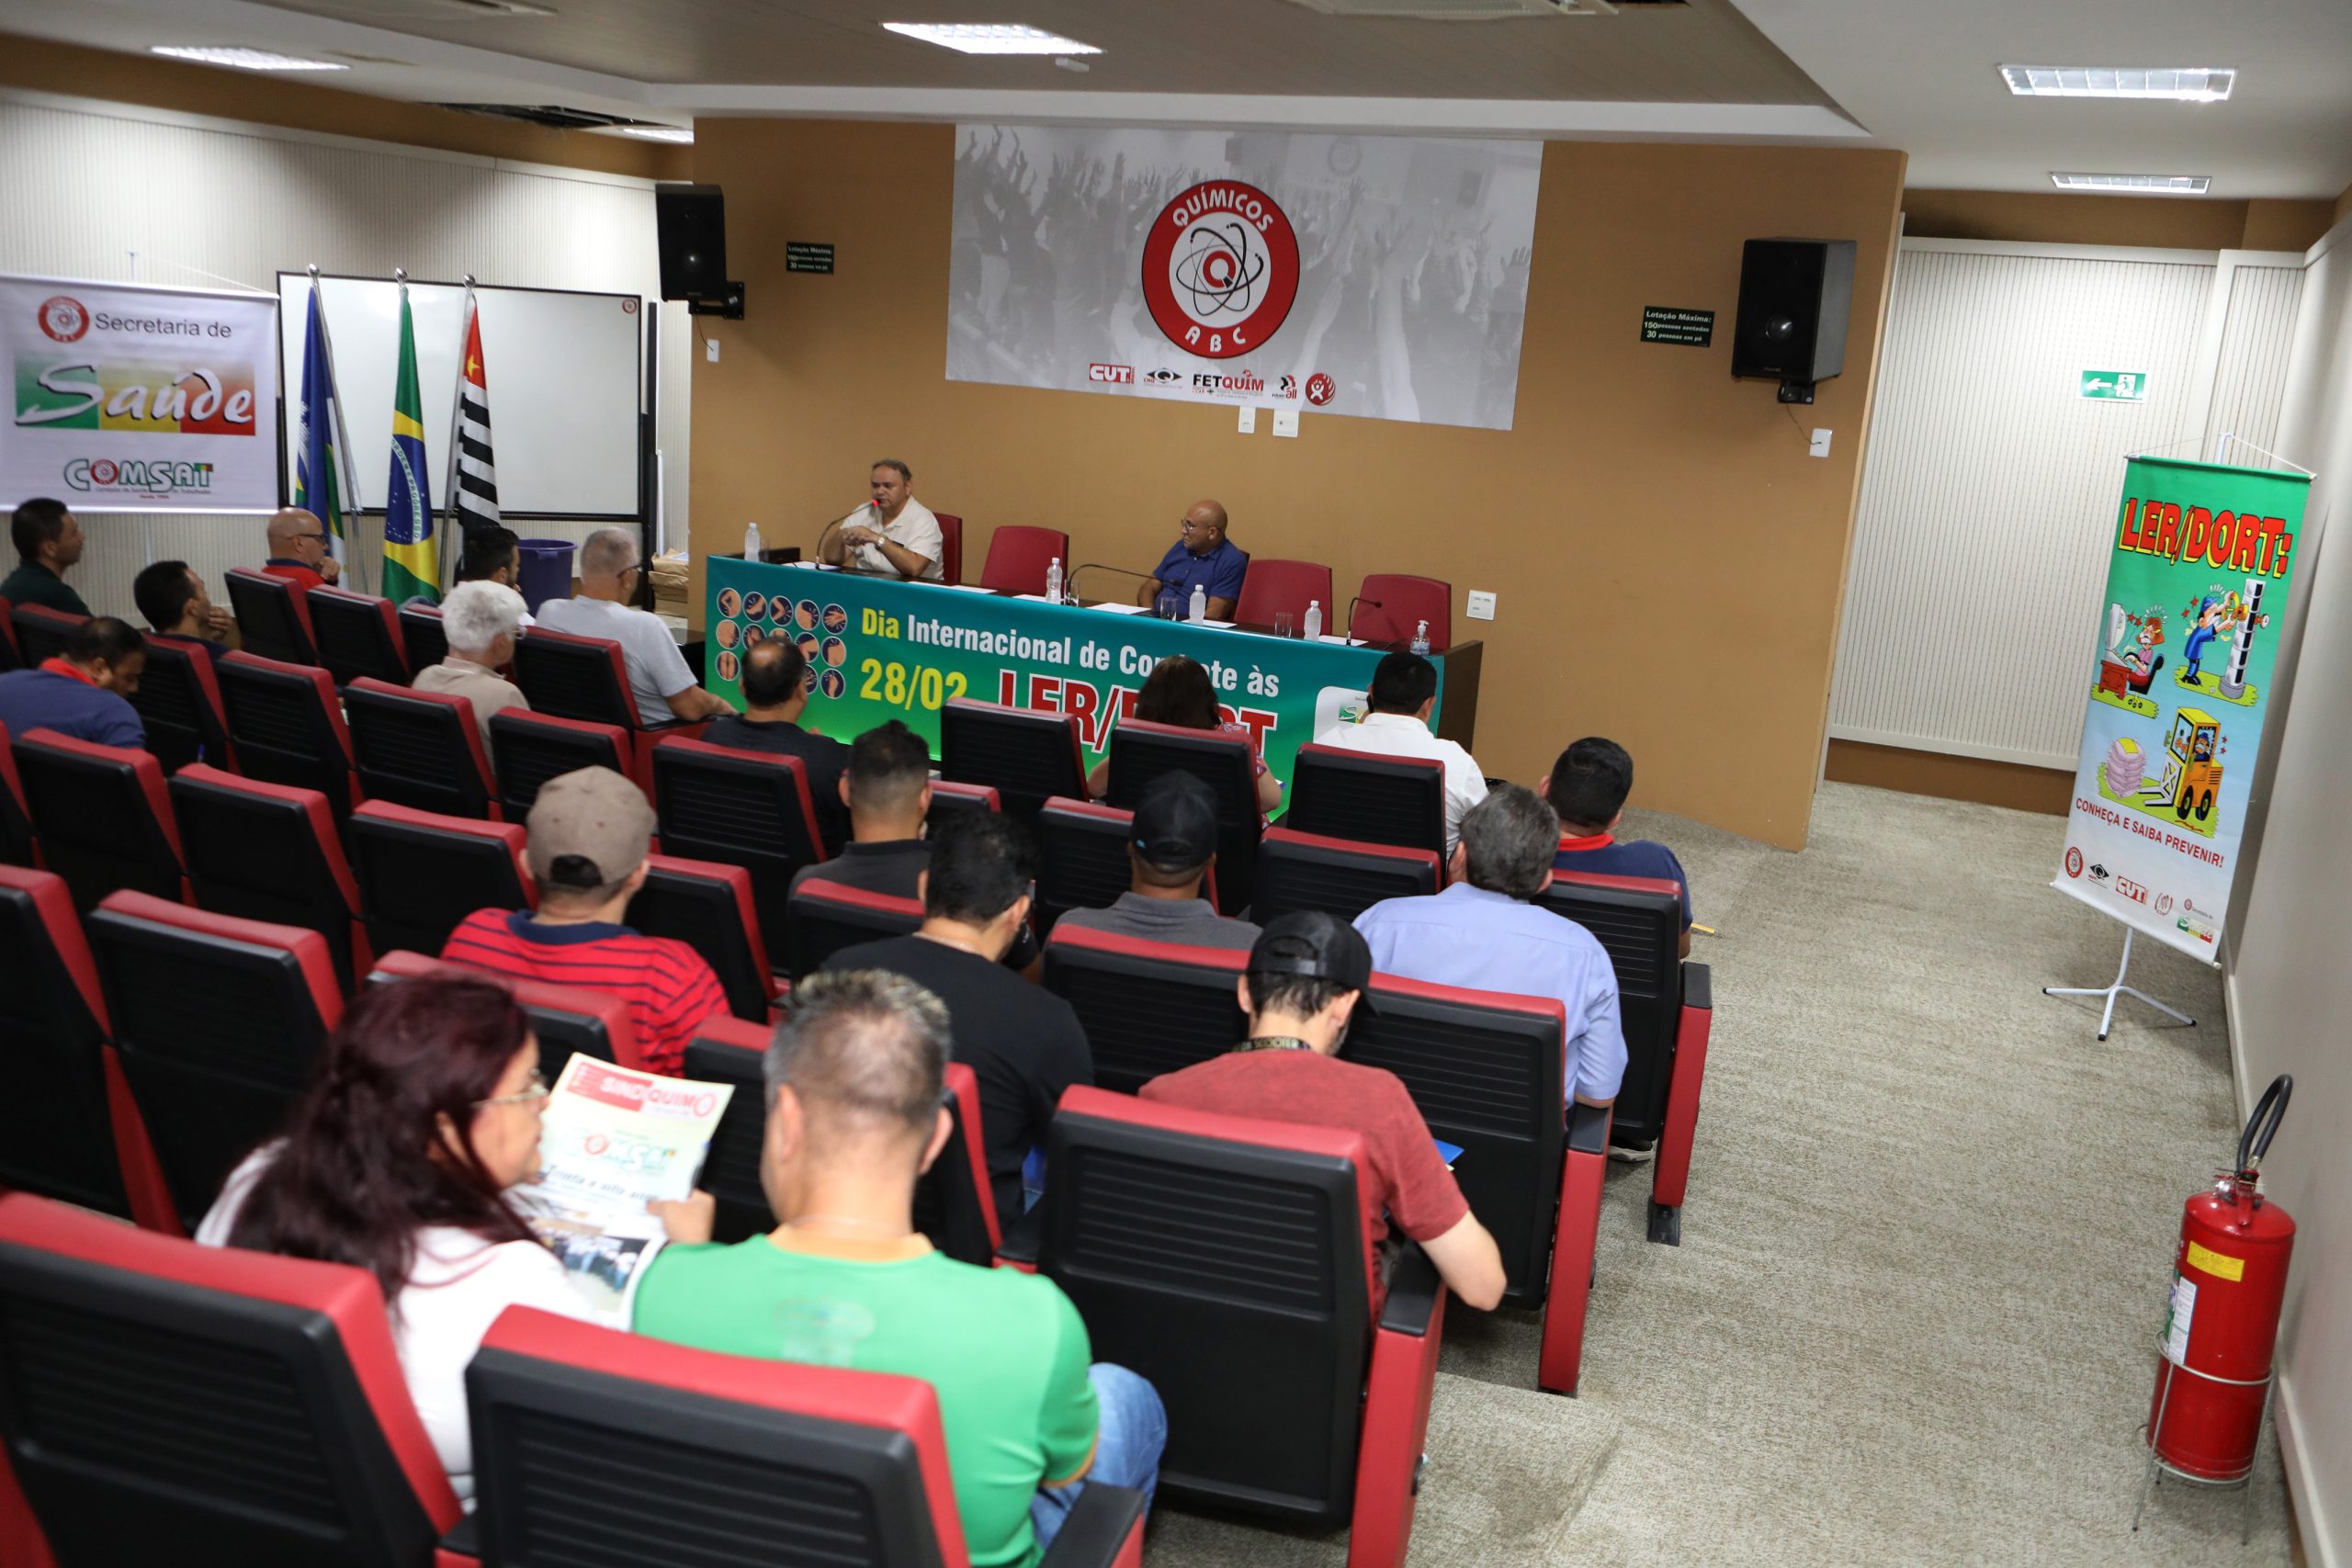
(1379, 276)
(136, 398)
(2202, 561)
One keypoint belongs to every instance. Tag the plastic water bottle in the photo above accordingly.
(1054, 581)
(1420, 643)
(1200, 611)
(752, 541)
(1312, 627)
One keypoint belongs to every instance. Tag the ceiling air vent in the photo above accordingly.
(554, 116)
(1460, 10)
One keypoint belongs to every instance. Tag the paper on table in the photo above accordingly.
(966, 587)
(1227, 626)
(1123, 609)
(1342, 641)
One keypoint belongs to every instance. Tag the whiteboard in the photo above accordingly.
(563, 370)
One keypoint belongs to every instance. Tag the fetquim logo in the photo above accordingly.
(1220, 269)
(64, 318)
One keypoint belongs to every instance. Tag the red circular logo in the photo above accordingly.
(64, 318)
(2074, 860)
(103, 471)
(1220, 269)
(2164, 903)
(1321, 389)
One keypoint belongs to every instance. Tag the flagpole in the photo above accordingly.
(456, 422)
(343, 454)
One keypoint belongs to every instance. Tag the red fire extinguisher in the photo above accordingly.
(2213, 1368)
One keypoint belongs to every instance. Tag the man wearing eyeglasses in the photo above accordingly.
(1200, 556)
(298, 551)
(610, 573)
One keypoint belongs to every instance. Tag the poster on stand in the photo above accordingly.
(130, 398)
(1383, 277)
(2202, 561)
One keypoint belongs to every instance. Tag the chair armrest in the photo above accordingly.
(1103, 1530)
(1588, 1129)
(1698, 986)
(1576, 1229)
(1414, 1289)
(1671, 1176)
(1024, 1235)
(1397, 1414)
(461, 1548)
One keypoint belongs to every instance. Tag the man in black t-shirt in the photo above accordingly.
(774, 695)
(1023, 1043)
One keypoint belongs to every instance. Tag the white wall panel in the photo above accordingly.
(83, 185)
(2251, 378)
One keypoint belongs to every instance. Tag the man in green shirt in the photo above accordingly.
(48, 539)
(854, 1082)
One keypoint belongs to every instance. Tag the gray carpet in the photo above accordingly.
(1924, 1255)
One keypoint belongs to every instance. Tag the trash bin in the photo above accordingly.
(545, 570)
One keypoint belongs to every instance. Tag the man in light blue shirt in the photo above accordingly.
(1483, 934)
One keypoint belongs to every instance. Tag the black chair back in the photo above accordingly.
(56, 1137)
(358, 637)
(42, 632)
(179, 703)
(1081, 857)
(419, 749)
(567, 1019)
(1147, 1008)
(708, 907)
(1340, 794)
(1027, 757)
(421, 874)
(528, 749)
(746, 808)
(286, 721)
(826, 917)
(1639, 921)
(269, 621)
(101, 816)
(263, 852)
(1140, 752)
(421, 634)
(575, 677)
(1305, 871)
(16, 825)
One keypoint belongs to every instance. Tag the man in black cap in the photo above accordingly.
(1173, 845)
(1307, 974)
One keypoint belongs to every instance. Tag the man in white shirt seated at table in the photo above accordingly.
(894, 535)
(1404, 690)
(658, 675)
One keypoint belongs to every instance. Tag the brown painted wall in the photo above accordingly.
(2047, 790)
(1668, 559)
(37, 65)
(2062, 218)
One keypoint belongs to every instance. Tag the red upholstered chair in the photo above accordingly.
(421, 872)
(825, 916)
(420, 749)
(1147, 1008)
(171, 1403)
(746, 808)
(265, 851)
(101, 816)
(55, 1134)
(272, 620)
(1019, 555)
(421, 634)
(1368, 797)
(527, 749)
(1026, 756)
(1339, 876)
(745, 1458)
(1389, 606)
(179, 702)
(1141, 751)
(1274, 586)
(41, 631)
(949, 796)
(358, 637)
(17, 845)
(1081, 857)
(1666, 1008)
(218, 1024)
(951, 546)
(708, 907)
(10, 656)
(565, 1018)
(587, 678)
(286, 721)
(1288, 1395)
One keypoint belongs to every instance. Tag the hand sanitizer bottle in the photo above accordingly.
(1312, 627)
(1420, 644)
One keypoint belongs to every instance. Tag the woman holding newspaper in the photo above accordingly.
(398, 1159)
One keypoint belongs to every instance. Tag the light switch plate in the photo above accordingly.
(1820, 444)
(1482, 605)
(710, 349)
(1286, 422)
(1248, 422)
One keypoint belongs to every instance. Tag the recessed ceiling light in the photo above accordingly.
(245, 59)
(2135, 185)
(990, 38)
(677, 133)
(2180, 83)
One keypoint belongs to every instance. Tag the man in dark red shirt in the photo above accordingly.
(298, 551)
(1307, 974)
(589, 832)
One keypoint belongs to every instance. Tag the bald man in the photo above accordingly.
(1201, 555)
(298, 551)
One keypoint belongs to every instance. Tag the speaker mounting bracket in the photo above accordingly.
(728, 304)
(1796, 392)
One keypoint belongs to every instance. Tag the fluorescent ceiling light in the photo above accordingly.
(2180, 83)
(677, 133)
(245, 59)
(2135, 185)
(990, 38)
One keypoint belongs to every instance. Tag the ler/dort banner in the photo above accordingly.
(134, 399)
(1381, 277)
(2198, 575)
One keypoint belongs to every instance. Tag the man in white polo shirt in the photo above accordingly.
(893, 533)
(658, 675)
(1404, 690)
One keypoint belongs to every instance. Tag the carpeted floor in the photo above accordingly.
(1923, 1260)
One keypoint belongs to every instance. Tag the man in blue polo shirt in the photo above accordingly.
(83, 694)
(1200, 556)
(1484, 933)
(1588, 787)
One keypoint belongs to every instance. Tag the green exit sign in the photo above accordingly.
(2116, 386)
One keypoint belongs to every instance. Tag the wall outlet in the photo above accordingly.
(710, 349)
(1248, 422)
(1286, 423)
(1482, 605)
(1820, 447)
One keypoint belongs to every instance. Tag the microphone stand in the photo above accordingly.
(1366, 642)
(1070, 579)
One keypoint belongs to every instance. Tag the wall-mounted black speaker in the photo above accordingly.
(1794, 296)
(690, 227)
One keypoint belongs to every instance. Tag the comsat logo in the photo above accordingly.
(1116, 375)
(126, 474)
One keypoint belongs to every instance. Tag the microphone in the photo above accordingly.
(869, 507)
(1366, 642)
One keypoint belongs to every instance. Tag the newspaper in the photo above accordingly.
(614, 1139)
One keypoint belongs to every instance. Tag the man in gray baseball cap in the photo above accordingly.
(1169, 854)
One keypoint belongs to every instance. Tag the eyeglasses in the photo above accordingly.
(300, 537)
(534, 1092)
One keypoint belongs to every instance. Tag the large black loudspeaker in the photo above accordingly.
(690, 227)
(1794, 296)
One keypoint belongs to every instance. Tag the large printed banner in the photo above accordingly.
(880, 650)
(2201, 563)
(130, 398)
(1385, 276)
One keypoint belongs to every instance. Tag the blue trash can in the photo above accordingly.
(543, 567)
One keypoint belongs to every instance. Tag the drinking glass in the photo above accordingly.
(1283, 623)
(1171, 605)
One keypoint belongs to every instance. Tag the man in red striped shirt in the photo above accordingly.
(585, 828)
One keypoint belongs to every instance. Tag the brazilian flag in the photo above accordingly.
(412, 556)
